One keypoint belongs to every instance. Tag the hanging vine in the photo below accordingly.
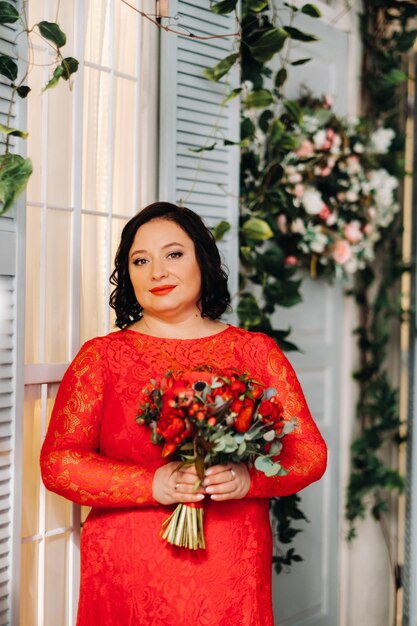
(321, 192)
(15, 170)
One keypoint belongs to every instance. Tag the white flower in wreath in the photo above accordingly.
(336, 143)
(298, 226)
(320, 138)
(312, 201)
(310, 124)
(315, 240)
(353, 165)
(383, 186)
(381, 140)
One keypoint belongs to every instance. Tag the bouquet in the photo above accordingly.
(205, 419)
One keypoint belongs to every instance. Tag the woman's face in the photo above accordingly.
(164, 272)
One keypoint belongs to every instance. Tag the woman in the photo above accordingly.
(170, 291)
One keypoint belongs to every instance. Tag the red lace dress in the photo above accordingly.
(96, 454)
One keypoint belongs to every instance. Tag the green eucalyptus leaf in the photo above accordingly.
(297, 34)
(311, 10)
(14, 175)
(15, 132)
(259, 99)
(268, 44)
(221, 68)
(8, 13)
(224, 7)
(267, 466)
(8, 67)
(52, 32)
(23, 91)
(257, 229)
(221, 229)
(301, 61)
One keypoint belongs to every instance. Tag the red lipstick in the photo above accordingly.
(162, 290)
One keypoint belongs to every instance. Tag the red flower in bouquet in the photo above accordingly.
(206, 419)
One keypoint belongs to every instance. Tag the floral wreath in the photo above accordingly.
(338, 196)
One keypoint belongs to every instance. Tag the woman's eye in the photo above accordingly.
(139, 261)
(175, 255)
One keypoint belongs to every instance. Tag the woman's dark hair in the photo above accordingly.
(214, 299)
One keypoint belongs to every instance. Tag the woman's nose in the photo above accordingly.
(159, 270)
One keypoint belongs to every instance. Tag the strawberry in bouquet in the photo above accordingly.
(205, 419)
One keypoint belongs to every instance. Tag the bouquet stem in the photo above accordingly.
(184, 527)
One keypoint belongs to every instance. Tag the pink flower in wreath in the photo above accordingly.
(306, 149)
(342, 251)
(290, 260)
(353, 232)
(299, 190)
(325, 212)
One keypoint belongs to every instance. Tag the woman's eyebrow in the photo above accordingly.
(167, 245)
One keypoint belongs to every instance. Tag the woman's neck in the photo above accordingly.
(192, 327)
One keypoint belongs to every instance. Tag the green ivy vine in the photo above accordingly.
(15, 170)
(269, 125)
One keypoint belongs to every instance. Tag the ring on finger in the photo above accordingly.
(233, 473)
(176, 486)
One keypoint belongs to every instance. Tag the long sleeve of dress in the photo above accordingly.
(304, 452)
(70, 462)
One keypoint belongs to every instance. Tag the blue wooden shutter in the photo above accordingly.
(192, 115)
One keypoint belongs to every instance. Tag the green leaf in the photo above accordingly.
(70, 66)
(277, 131)
(394, 77)
(293, 8)
(268, 44)
(248, 310)
(221, 229)
(264, 120)
(268, 467)
(311, 10)
(52, 32)
(259, 99)
(280, 77)
(297, 34)
(52, 82)
(204, 148)
(23, 91)
(256, 5)
(14, 175)
(15, 132)
(257, 229)
(221, 68)
(8, 13)
(8, 67)
(294, 110)
(233, 94)
(247, 128)
(301, 61)
(223, 7)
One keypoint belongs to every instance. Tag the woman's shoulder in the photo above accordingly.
(254, 337)
(103, 343)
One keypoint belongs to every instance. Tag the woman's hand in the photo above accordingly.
(227, 482)
(172, 485)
